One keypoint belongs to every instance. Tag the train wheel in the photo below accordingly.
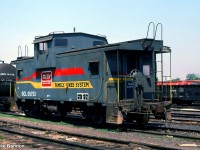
(95, 115)
(129, 118)
(159, 115)
(63, 114)
(31, 110)
(63, 109)
(86, 115)
(45, 113)
(98, 118)
(142, 119)
(28, 113)
(189, 103)
(7, 106)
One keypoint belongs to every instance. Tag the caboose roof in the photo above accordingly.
(50, 36)
(135, 45)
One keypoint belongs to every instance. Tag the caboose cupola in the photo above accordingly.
(46, 47)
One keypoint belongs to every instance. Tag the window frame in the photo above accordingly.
(20, 74)
(93, 70)
(43, 47)
(98, 43)
(60, 45)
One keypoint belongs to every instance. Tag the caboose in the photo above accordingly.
(109, 83)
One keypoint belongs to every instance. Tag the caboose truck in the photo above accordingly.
(109, 83)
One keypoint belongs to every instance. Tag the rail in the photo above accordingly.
(56, 32)
(166, 49)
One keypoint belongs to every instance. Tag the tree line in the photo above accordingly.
(190, 76)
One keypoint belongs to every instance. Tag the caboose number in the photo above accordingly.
(29, 93)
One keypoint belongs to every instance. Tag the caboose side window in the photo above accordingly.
(94, 68)
(43, 47)
(98, 43)
(132, 63)
(60, 42)
(146, 70)
(19, 74)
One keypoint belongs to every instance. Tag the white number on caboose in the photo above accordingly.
(28, 93)
(82, 96)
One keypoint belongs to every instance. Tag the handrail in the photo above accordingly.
(57, 32)
(161, 30)
(149, 44)
(153, 30)
(26, 50)
(19, 49)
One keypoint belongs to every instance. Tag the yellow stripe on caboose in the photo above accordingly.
(59, 85)
(36, 85)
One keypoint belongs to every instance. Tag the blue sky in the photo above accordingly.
(22, 20)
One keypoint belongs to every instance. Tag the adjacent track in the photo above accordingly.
(106, 143)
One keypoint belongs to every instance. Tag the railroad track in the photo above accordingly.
(17, 140)
(77, 140)
(182, 116)
(187, 115)
(192, 106)
(176, 124)
(154, 128)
